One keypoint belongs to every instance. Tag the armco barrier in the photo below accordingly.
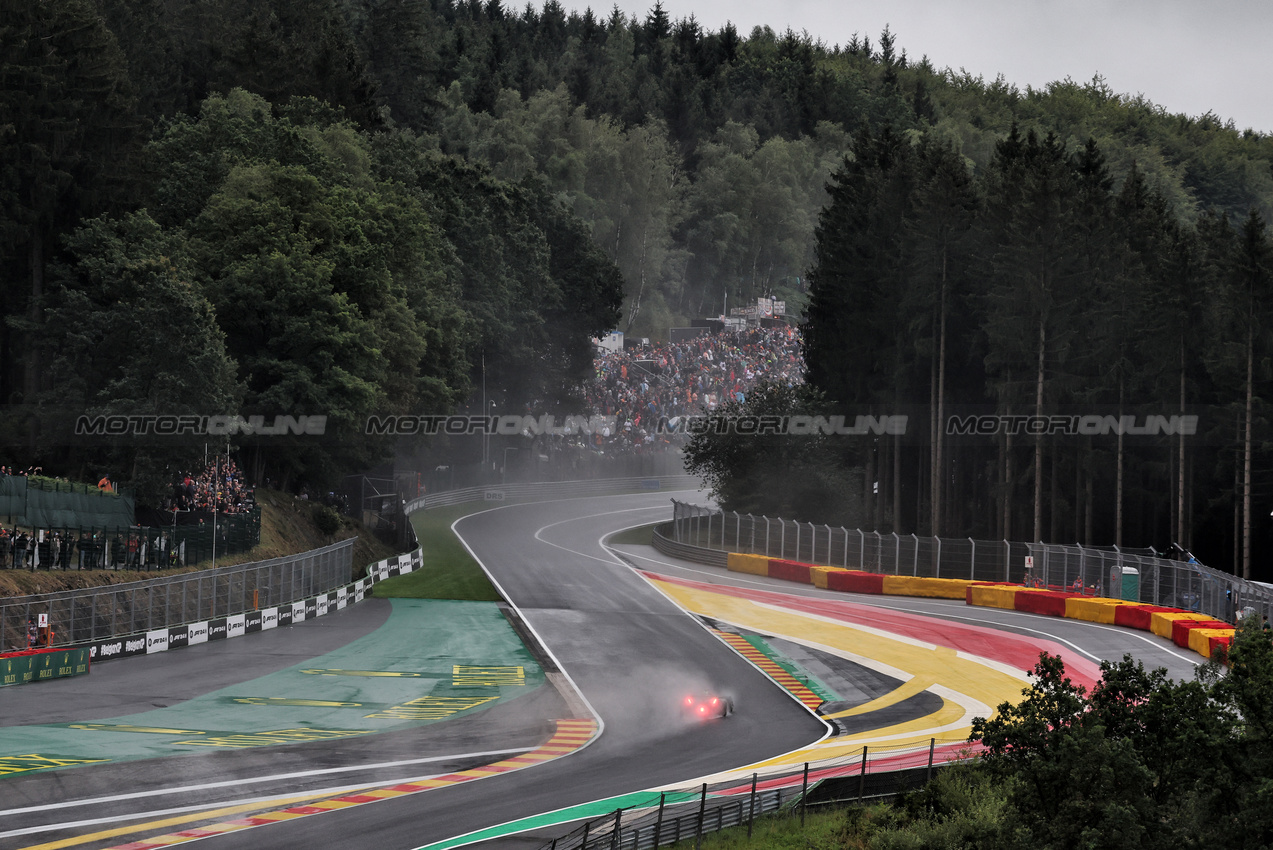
(1199, 632)
(1133, 575)
(80, 617)
(36, 665)
(249, 622)
(155, 615)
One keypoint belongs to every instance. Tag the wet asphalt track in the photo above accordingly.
(629, 650)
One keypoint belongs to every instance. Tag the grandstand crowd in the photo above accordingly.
(219, 486)
(644, 384)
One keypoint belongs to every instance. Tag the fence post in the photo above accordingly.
(658, 824)
(897, 554)
(738, 530)
(846, 547)
(862, 550)
(702, 807)
(766, 519)
(932, 745)
(915, 560)
(614, 836)
(1007, 561)
(583, 845)
(862, 777)
(972, 562)
(797, 558)
(782, 539)
(751, 807)
(751, 525)
(804, 794)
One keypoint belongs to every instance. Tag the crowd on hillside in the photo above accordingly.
(6, 471)
(642, 385)
(220, 485)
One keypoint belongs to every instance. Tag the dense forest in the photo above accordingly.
(353, 205)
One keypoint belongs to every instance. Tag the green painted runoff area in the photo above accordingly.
(432, 660)
(811, 682)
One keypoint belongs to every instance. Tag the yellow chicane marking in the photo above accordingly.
(278, 736)
(430, 708)
(314, 703)
(34, 761)
(147, 730)
(387, 673)
(487, 676)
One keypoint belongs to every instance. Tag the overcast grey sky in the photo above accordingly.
(1186, 55)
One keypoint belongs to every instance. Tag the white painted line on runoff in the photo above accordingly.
(208, 786)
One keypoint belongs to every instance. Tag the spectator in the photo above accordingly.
(20, 543)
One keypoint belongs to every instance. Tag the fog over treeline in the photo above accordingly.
(339, 207)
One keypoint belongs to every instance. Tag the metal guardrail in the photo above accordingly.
(690, 812)
(83, 616)
(1137, 575)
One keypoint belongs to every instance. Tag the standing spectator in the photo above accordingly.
(4, 547)
(20, 544)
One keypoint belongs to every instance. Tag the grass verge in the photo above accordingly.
(642, 535)
(823, 828)
(448, 571)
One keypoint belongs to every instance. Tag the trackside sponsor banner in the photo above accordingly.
(197, 633)
(298, 611)
(358, 596)
(216, 629)
(342, 598)
(285, 615)
(178, 636)
(156, 641)
(311, 608)
(269, 618)
(322, 604)
(252, 621)
(117, 648)
(234, 626)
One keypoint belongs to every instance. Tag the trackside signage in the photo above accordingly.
(157, 641)
(178, 636)
(222, 628)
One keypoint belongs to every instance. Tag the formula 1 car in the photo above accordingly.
(706, 706)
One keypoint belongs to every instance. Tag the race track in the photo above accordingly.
(620, 629)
